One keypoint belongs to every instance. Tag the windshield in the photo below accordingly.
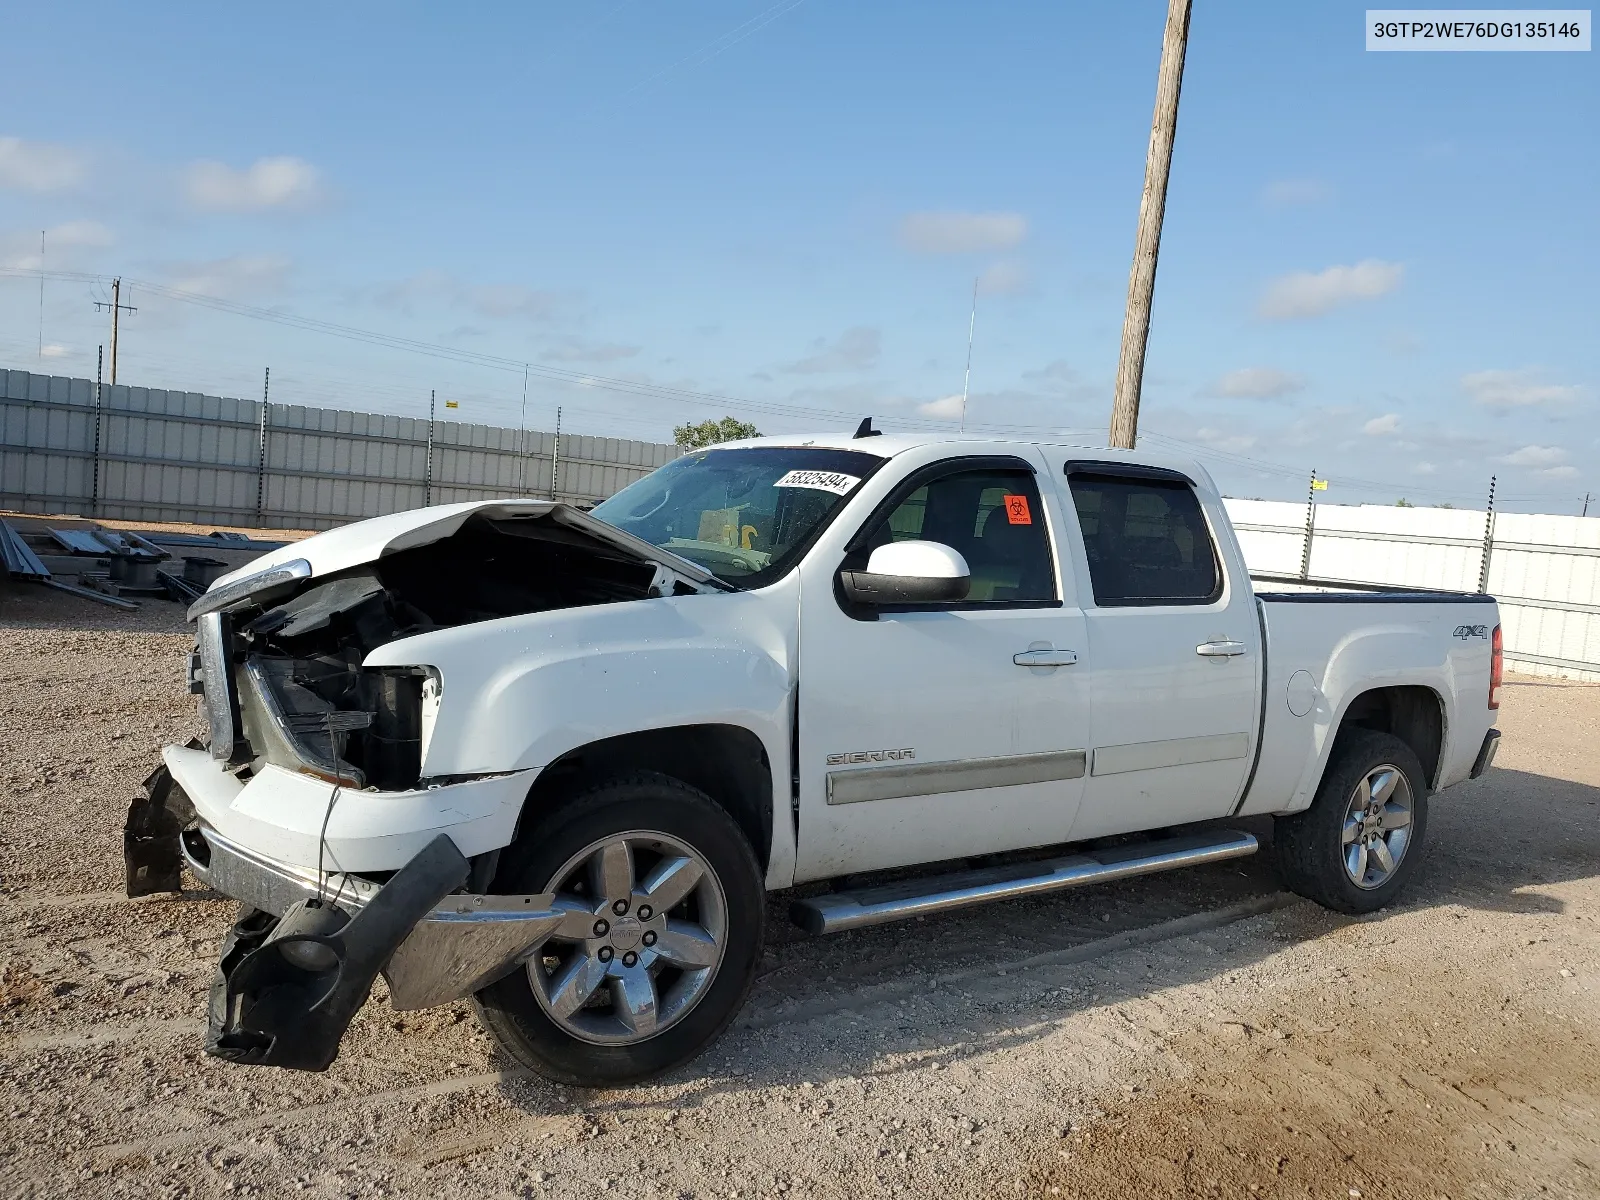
(746, 515)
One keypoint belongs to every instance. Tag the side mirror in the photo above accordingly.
(909, 573)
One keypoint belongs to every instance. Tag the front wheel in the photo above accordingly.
(1360, 840)
(665, 917)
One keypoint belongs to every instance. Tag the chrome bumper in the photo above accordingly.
(463, 945)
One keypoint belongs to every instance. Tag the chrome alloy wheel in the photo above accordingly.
(645, 933)
(1377, 826)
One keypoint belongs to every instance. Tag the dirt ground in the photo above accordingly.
(1199, 1033)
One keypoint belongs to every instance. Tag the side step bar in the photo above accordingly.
(839, 911)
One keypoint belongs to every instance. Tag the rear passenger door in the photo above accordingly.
(1175, 648)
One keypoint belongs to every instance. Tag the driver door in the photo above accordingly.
(921, 735)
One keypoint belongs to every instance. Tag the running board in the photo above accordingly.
(839, 911)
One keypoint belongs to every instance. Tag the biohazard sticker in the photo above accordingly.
(821, 481)
(1017, 510)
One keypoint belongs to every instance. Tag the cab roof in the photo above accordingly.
(888, 445)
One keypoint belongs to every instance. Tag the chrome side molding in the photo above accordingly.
(839, 911)
(959, 775)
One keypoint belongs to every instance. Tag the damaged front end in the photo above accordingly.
(279, 666)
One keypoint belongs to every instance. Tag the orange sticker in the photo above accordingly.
(1017, 510)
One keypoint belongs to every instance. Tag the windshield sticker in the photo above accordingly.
(1017, 510)
(822, 481)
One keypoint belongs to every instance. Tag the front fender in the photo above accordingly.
(519, 692)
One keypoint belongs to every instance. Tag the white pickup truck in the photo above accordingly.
(552, 760)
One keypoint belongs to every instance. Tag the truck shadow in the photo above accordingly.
(878, 1001)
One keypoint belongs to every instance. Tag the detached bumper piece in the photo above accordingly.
(150, 848)
(287, 988)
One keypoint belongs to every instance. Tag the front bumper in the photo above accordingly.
(297, 819)
(459, 946)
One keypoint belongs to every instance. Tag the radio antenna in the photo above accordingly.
(966, 380)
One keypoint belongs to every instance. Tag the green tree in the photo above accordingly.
(1403, 503)
(712, 433)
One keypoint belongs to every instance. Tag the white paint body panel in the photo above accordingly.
(520, 692)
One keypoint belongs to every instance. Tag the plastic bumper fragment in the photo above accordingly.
(286, 989)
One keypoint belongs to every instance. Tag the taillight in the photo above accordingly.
(1497, 660)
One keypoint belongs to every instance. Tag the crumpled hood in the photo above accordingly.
(367, 541)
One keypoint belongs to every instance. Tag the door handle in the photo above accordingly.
(1045, 658)
(1223, 648)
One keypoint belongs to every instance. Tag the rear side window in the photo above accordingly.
(1146, 540)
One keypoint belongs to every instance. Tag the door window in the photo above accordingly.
(993, 518)
(1146, 540)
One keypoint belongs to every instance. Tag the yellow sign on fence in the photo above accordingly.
(1319, 485)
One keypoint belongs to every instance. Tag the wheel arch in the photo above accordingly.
(1414, 713)
(727, 762)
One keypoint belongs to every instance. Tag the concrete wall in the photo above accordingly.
(149, 455)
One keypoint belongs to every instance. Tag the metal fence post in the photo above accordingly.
(261, 451)
(94, 487)
(1488, 540)
(427, 478)
(555, 458)
(1311, 522)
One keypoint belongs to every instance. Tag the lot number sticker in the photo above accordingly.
(1017, 510)
(822, 481)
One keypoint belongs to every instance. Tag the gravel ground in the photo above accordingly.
(1200, 1033)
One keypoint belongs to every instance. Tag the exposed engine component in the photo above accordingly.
(300, 695)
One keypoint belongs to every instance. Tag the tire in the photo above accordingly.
(621, 1035)
(1314, 855)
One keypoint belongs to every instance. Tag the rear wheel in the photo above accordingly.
(1360, 840)
(665, 917)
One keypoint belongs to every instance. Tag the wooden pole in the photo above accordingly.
(1147, 245)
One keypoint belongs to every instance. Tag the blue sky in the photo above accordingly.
(1382, 266)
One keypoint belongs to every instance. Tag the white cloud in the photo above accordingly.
(490, 300)
(55, 350)
(1537, 458)
(962, 233)
(267, 183)
(946, 408)
(1515, 389)
(580, 352)
(1235, 443)
(1289, 193)
(20, 251)
(1257, 383)
(1004, 278)
(855, 349)
(240, 274)
(1308, 294)
(1424, 468)
(39, 166)
(1380, 426)
(1560, 472)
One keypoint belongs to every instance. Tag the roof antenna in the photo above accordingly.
(865, 429)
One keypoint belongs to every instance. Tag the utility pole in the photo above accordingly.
(1147, 244)
(1586, 498)
(117, 307)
